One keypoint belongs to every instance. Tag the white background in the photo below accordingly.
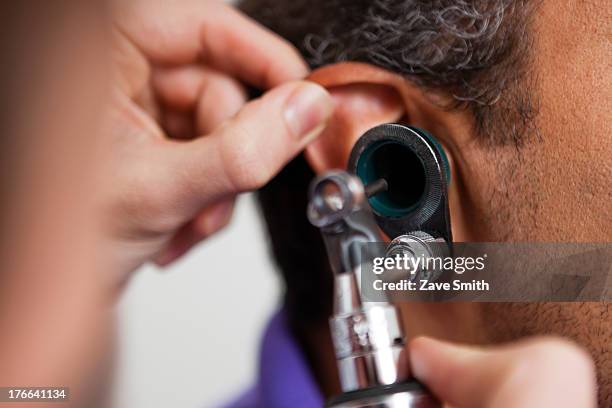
(188, 335)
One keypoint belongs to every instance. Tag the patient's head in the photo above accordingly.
(515, 91)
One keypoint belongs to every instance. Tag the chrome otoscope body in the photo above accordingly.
(368, 337)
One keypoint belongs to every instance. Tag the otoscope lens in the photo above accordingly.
(403, 171)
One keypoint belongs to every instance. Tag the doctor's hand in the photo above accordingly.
(183, 141)
(540, 372)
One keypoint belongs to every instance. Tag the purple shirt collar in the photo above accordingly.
(284, 378)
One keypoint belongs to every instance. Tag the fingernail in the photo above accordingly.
(308, 110)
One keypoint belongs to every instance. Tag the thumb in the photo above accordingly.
(541, 372)
(245, 152)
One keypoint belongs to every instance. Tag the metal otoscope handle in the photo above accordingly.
(367, 336)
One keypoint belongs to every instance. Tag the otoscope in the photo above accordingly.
(396, 184)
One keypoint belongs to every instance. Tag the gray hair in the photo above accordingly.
(476, 51)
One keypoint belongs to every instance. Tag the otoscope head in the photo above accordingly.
(416, 171)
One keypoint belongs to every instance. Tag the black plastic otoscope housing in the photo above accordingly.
(417, 176)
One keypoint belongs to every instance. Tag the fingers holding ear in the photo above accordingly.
(202, 99)
(249, 149)
(242, 154)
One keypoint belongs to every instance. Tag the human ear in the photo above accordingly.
(359, 105)
(367, 96)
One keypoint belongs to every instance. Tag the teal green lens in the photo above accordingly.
(404, 172)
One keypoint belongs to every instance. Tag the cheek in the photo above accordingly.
(495, 196)
(574, 120)
(472, 186)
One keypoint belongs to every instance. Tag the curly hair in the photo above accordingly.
(476, 51)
